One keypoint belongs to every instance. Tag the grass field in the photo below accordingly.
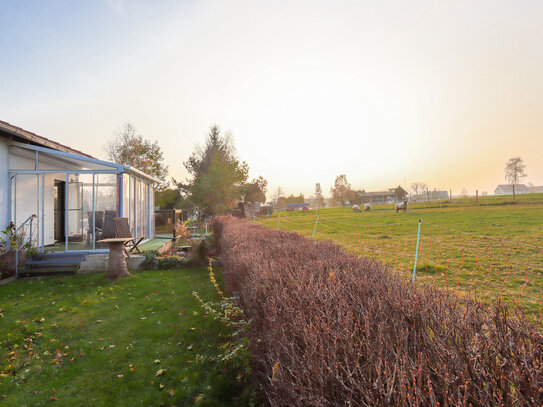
(82, 341)
(488, 249)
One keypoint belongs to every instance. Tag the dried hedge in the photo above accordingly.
(331, 329)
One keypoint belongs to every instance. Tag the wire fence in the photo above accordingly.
(487, 269)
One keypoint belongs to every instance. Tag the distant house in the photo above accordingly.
(297, 207)
(507, 189)
(536, 189)
(436, 195)
(389, 196)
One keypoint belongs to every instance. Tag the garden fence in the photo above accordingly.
(487, 269)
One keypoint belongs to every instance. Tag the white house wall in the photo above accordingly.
(4, 182)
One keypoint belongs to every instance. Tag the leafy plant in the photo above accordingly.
(234, 352)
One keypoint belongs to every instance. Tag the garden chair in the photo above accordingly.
(122, 230)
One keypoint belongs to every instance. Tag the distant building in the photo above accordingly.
(507, 189)
(389, 196)
(297, 207)
(536, 189)
(436, 195)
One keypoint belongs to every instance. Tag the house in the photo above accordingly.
(297, 207)
(436, 195)
(389, 196)
(536, 189)
(74, 196)
(507, 189)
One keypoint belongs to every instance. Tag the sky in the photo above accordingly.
(388, 92)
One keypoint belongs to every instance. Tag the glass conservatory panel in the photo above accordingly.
(126, 196)
(132, 215)
(105, 206)
(26, 200)
(80, 236)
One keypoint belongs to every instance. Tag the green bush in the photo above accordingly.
(154, 261)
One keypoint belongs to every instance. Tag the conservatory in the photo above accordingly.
(72, 199)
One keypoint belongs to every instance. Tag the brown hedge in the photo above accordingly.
(331, 329)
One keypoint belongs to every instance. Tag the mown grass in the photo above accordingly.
(82, 341)
(489, 249)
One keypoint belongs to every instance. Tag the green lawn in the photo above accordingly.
(82, 341)
(487, 249)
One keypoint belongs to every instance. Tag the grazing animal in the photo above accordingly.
(356, 208)
(367, 207)
(401, 206)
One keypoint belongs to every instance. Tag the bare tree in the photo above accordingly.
(419, 189)
(515, 171)
(278, 193)
(318, 195)
(127, 147)
(341, 191)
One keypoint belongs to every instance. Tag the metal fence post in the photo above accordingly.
(315, 228)
(416, 253)
(278, 220)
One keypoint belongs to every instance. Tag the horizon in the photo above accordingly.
(388, 94)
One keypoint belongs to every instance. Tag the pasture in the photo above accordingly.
(490, 250)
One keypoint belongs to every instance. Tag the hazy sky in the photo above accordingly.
(386, 92)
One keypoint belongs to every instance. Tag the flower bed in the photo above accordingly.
(332, 329)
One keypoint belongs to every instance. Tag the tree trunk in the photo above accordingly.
(514, 192)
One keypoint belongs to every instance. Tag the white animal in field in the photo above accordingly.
(367, 207)
(356, 208)
(401, 206)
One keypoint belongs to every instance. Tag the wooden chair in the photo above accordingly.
(122, 230)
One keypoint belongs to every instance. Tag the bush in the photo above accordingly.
(199, 253)
(154, 261)
(332, 329)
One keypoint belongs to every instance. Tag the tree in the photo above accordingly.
(295, 199)
(319, 200)
(515, 171)
(341, 191)
(278, 193)
(171, 198)
(218, 178)
(419, 189)
(129, 148)
(255, 191)
(281, 202)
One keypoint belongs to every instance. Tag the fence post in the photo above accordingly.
(278, 220)
(416, 254)
(315, 228)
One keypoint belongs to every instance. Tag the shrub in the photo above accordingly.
(199, 253)
(332, 329)
(154, 261)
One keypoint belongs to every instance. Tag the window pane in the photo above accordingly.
(80, 234)
(106, 206)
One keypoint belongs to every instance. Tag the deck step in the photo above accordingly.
(52, 263)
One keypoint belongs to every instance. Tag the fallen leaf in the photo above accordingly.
(160, 372)
(99, 321)
(275, 368)
(119, 376)
(53, 398)
(156, 361)
(160, 386)
(189, 347)
(170, 392)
